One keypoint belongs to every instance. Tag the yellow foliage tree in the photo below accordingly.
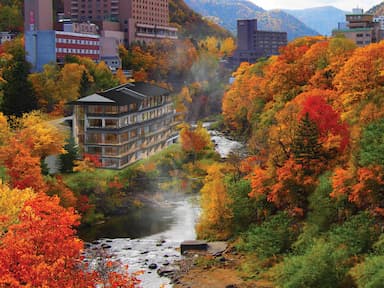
(228, 46)
(69, 81)
(46, 139)
(11, 202)
(5, 131)
(215, 220)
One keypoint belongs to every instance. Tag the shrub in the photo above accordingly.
(272, 237)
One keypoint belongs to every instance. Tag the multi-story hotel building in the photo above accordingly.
(253, 44)
(124, 124)
(361, 28)
(140, 20)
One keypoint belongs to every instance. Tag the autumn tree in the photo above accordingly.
(42, 250)
(355, 87)
(45, 85)
(31, 139)
(216, 216)
(195, 141)
(45, 138)
(11, 202)
(23, 168)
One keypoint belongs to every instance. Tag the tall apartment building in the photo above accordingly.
(38, 15)
(253, 44)
(140, 20)
(44, 44)
(124, 124)
(360, 28)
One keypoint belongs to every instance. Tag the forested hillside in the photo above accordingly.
(308, 205)
(191, 24)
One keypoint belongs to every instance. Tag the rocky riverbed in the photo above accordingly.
(155, 252)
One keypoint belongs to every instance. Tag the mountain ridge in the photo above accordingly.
(227, 12)
(322, 19)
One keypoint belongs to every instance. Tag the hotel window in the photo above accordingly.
(97, 109)
(124, 137)
(111, 138)
(111, 123)
(111, 151)
(94, 150)
(111, 109)
(133, 134)
(95, 123)
(94, 138)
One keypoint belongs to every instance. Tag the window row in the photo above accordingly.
(78, 51)
(77, 41)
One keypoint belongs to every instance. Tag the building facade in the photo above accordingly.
(45, 47)
(361, 28)
(6, 36)
(140, 20)
(124, 124)
(38, 15)
(253, 44)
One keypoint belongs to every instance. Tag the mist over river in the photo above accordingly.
(153, 233)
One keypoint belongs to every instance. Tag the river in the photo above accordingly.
(152, 235)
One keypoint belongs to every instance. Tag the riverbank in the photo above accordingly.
(202, 269)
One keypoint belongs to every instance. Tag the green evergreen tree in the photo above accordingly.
(305, 146)
(67, 159)
(18, 94)
(85, 85)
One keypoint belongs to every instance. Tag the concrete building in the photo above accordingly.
(253, 44)
(360, 28)
(140, 20)
(45, 47)
(124, 124)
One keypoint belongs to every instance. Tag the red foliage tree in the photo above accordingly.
(326, 118)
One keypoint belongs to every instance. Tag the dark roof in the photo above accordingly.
(124, 94)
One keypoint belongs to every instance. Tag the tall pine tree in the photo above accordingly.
(306, 148)
(18, 94)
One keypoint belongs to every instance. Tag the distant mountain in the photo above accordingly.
(321, 19)
(229, 11)
(377, 10)
(192, 24)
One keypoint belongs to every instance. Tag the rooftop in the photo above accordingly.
(124, 94)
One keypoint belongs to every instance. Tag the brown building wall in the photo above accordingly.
(128, 12)
(38, 15)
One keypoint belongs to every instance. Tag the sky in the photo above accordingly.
(346, 5)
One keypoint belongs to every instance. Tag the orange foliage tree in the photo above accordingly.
(23, 168)
(196, 140)
(43, 251)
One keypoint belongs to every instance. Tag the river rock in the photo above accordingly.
(167, 271)
(152, 266)
(193, 245)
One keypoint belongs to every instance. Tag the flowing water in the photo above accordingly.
(152, 235)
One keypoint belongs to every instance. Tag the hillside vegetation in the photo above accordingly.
(307, 206)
